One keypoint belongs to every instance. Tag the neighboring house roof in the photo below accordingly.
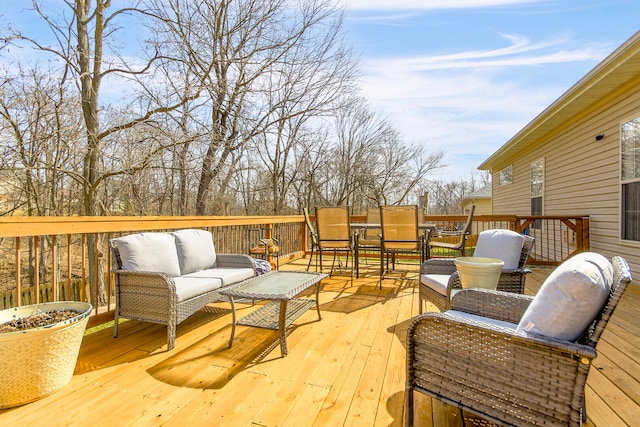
(615, 73)
(481, 193)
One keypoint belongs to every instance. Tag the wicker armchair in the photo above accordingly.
(469, 358)
(512, 280)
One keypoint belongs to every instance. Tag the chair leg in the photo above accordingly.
(310, 259)
(381, 267)
(333, 262)
(408, 409)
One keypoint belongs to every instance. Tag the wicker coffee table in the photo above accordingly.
(280, 288)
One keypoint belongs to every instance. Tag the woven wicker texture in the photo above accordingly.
(280, 287)
(503, 375)
(267, 316)
(38, 362)
(151, 296)
(509, 281)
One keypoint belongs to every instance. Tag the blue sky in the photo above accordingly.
(466, 75)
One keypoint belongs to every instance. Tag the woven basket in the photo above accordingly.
(37, 362)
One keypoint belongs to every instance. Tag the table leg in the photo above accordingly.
(283, 332)
(318, 300)
(233, 323)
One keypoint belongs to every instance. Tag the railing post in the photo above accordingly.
(268, 233)
(18, 275)
(54, 267)
(36, 267)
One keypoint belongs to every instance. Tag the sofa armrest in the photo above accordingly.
(498, 305)
(235, 261)
(144, 279)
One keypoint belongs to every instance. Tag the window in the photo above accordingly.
(630, 179)
(537, 176)
(505, 176)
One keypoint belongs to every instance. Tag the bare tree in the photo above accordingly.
(82, 39)
(308, 86)
(445, 197)
(41, 138)
(235, 47)
(369, 164)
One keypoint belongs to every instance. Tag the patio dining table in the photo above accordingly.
(367, 225)
(429, 228)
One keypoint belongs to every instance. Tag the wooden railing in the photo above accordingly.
(46, 258)
(557, 237)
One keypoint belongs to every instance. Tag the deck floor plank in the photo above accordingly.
(344, 370)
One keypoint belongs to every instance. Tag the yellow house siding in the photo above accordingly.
(581, 175)
(483, 206)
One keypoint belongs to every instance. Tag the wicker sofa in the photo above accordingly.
(166, 277)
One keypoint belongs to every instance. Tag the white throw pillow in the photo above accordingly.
(502, 244)
(149, 252)
(570, 298)
(195, 250)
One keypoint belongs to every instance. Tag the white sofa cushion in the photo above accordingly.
(570, 298)
(437, 282)
(189, 287)
(502, 244)
(149, 252)
(227, 276)
(195, 250)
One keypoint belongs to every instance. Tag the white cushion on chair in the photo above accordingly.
(570, 298)
(149, 252)
(502, 244)
(195, 250)
(437, 282)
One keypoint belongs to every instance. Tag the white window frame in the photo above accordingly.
(629, 174)
(537, 191)
(505, 176)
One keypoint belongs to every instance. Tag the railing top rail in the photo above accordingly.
(45, 226)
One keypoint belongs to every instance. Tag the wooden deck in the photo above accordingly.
(346, 370)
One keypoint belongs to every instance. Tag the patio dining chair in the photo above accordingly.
(313, 237)
(460, 235)
(370, 238)
(439, 277)
(334, 235)
(514, 359)
(400, 235)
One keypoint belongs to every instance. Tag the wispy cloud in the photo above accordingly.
(520, 52)
(470, 102)
(431, 4)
